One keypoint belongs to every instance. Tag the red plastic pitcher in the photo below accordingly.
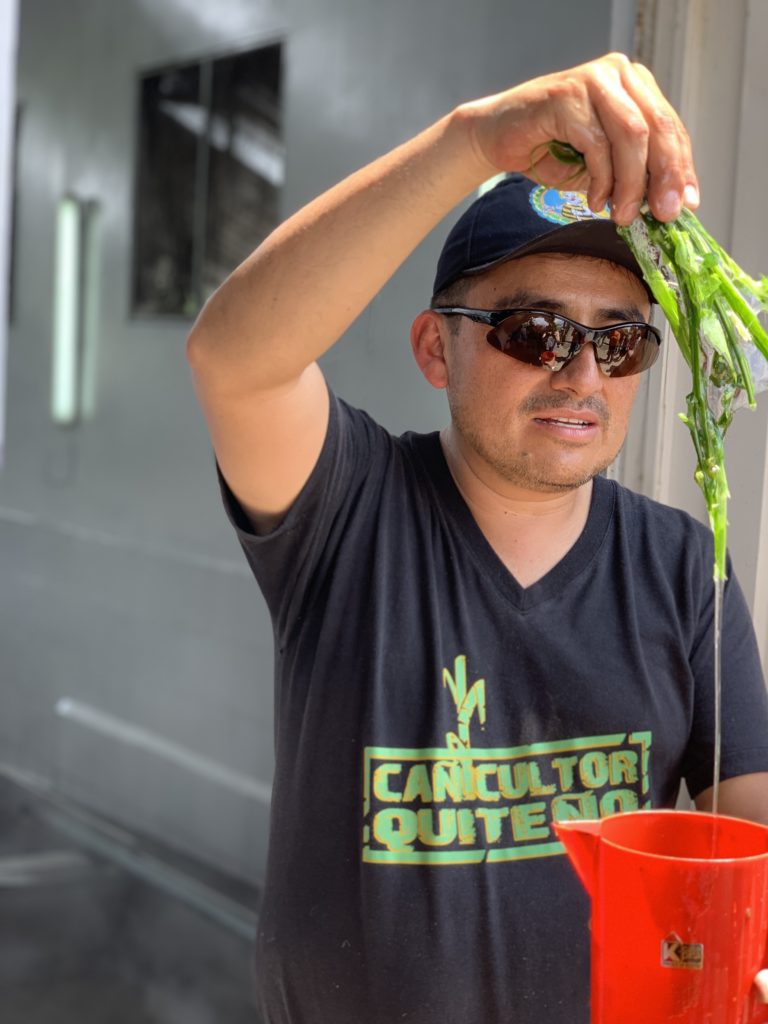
(679, 915)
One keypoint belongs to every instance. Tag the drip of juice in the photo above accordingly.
(718, 629)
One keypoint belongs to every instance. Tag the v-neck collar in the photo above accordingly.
(454, 507)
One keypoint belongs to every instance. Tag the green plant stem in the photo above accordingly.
(710, 303)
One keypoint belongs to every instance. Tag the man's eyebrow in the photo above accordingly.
(535, 300)
(622, 314)
(523, 299)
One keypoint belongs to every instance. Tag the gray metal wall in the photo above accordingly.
(124, 600)
(8, 42)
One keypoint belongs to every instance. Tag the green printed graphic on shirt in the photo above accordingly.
(461, 804)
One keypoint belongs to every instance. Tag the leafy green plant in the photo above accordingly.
(712, 307)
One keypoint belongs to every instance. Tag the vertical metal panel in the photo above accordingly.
(748, 441)
(709, 58)
(8, 36)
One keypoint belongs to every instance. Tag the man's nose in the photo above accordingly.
(582, 375)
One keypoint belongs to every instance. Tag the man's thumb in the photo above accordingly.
(761, 982)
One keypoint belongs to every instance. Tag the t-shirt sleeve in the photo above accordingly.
(744, 697)
(289, 561)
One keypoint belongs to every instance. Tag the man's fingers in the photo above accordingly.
(761, 984)
(628, 132)
(578, 125)
(610, 110)
(672, 180)
(634, 144)
(548, 170)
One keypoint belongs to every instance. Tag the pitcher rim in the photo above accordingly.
(668, 811)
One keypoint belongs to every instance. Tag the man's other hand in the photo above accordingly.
(761, 984)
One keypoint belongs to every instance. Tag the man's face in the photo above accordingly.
(510, 418)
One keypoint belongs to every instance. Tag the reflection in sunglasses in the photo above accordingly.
(551, 341)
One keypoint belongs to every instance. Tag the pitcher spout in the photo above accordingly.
(581, 840)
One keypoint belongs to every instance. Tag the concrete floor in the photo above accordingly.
(83, 940)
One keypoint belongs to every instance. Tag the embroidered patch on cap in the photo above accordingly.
(563, 207)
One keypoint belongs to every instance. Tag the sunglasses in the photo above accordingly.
(539, 338)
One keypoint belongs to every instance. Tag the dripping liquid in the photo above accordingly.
(718, 698)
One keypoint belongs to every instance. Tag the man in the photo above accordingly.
(475, 633)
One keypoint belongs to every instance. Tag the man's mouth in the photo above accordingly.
(565, 421)
(569, 426)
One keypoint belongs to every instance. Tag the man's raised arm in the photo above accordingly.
(254, 348)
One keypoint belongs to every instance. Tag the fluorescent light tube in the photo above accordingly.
(67, 305)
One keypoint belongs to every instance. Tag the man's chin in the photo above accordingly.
(536, 469)
(557, 486)
(554, 479)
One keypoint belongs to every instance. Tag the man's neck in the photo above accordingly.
(530, 530)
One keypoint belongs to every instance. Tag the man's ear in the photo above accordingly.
(429, 348)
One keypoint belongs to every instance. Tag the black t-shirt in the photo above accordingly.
(433, 716)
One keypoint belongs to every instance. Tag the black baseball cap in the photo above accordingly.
(518, 217)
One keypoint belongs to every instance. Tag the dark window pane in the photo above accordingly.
(211, 168)
(247, 160)
(171, 122)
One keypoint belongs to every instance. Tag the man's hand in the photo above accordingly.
(761, 984)
(610, 110)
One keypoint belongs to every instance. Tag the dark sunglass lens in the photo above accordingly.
(628, 350)
(530, 338)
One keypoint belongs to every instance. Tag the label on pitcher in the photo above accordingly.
(688, 956)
